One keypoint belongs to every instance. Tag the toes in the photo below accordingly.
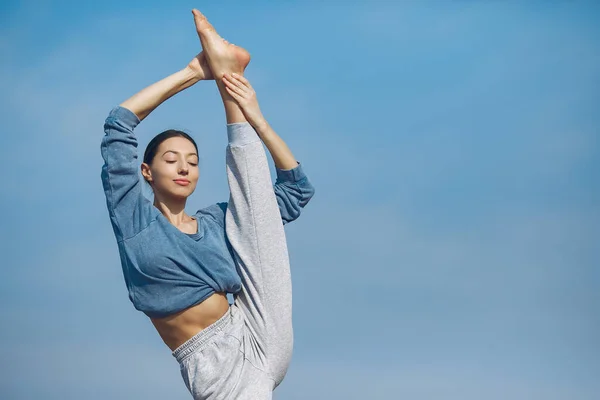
(198, 14)
(198, 17)
(201, 21)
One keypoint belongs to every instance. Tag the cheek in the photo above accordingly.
(165, 171)
(194, 172)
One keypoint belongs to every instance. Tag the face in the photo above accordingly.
(176, 159)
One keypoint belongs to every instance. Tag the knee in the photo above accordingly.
(280, 360)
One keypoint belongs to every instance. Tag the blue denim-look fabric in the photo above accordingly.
(167, 270)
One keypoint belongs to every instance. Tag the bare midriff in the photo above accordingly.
(177, 328)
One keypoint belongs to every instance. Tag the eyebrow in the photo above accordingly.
(176, 152)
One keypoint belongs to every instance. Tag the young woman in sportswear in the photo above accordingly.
(178, 268)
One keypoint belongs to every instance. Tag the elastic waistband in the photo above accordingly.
(201, 339)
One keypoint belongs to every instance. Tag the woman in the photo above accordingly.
(178, 268)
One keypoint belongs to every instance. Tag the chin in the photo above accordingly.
(180, 196)
(182, 192)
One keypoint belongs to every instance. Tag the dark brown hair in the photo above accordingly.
(152, 147)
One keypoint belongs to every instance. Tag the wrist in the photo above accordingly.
(184, 78)
(190, 76)
(261, 126)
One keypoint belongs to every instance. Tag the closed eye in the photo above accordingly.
(171, 162)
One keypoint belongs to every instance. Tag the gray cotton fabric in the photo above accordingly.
(246, 353)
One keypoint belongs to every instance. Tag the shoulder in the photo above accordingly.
(215, 211)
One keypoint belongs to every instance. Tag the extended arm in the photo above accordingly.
(146, 100)
(244, 94)
(129, 210)
(292, 189)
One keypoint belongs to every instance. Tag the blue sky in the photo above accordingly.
(450, 252)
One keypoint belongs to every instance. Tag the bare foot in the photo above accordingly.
(223, 57)
(199, 66)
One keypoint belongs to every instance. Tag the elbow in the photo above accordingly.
(307, 193)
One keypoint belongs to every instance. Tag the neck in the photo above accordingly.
(173, 210)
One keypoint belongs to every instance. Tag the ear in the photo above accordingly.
(146, 173)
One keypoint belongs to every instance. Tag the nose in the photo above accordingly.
(183, 169)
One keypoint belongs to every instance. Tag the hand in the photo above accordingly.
(199, 67)
(242, 92)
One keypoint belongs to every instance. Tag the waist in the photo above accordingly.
(177, 328)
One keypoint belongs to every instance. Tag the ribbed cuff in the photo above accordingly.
(290, 175)
(124, 115)
(241, 134)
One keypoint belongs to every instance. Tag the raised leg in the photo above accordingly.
(255, 231)
(253, 221)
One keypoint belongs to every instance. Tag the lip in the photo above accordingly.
(182, 182)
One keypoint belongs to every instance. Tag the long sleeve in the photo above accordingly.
(130, 211)
(293, 191)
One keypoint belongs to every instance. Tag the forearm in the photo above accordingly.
(146, 100)
(280, 152)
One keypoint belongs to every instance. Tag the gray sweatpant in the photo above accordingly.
(246, 353)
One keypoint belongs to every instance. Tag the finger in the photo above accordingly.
(233, 87)
(237, 82)
(235, 96)
(245, 81)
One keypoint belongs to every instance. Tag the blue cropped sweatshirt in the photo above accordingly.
(167, 270)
